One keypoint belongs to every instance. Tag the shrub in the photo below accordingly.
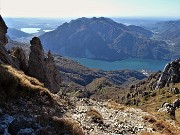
(95, 115)
(67, 126)
(161, 126)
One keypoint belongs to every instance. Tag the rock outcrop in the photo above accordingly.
(3, 31)
(43, 68)
(170, 74)
(169, 108)
(26, 106)
(5, 58)
(21, 58)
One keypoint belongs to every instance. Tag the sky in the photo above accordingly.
(89, 8)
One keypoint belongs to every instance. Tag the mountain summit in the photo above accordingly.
(104, 39)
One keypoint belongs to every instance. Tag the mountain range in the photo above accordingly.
(104, 39)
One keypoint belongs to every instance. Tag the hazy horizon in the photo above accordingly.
(90, 8)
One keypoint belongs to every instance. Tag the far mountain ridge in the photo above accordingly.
(103, 39)
(168, 31)
(15, 33)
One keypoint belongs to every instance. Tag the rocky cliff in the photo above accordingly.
(170, 74)
(3, 38)
(5, 57)
(43, 68)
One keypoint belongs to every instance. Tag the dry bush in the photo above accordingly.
(178, 115)
(149, 119)
(111, 104)
(161, 126)
(67, 126)
(95, 115)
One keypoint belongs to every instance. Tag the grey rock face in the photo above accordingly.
(170, 74)
(43, 68)
(3, 31)
(5, 58)
(21, 58)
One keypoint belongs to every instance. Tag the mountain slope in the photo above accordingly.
(104, 39)
(14, 33)
(169, 31)
(83, 76)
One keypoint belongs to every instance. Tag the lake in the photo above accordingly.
(47, 30)
(30, 30)
(132, 64)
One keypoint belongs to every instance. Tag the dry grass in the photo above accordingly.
(150, 133)
(111, 104)
(178, 115)
(95, 115)
(153, 104)
(149, 119)
(15, 82)
(161, 126)
(67, 126)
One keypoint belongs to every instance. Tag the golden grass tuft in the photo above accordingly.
(95, 115)
(67, 126)
(150, 133)
(149, 119)
(111, 104)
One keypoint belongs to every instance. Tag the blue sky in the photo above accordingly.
(88, 8)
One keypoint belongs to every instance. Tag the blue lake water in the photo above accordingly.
(30, 30)
(132, 63)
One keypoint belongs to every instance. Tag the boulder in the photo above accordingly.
(169, 108)
(174, 90)
(176, 103)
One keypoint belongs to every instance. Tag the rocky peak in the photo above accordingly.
(5, 58)
(50, 57)
(170, 74)
(43, 68)
(36, 49)
(3, 31)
